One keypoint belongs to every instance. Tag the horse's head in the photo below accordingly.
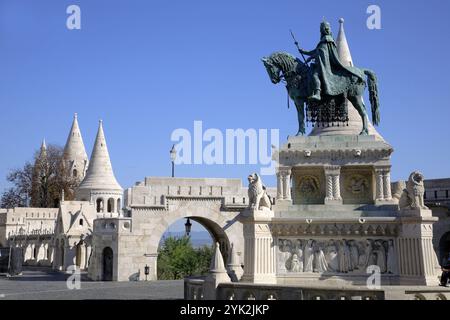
(278, 64)
(273, 70)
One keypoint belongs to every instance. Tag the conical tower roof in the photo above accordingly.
(355, 123)
(74, 149)
(100, 174)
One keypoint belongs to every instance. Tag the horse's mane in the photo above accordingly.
(284, 60)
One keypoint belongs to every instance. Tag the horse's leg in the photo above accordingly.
(300, 105)
(361, 108)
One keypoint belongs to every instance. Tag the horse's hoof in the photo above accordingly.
(364, 133)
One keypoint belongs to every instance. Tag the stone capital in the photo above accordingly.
(382, 169)
(332, 170)
(284, 171)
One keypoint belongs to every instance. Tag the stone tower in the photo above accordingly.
(100, 186)
(75, 157)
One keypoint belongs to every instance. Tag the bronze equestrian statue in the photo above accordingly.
(325, 85)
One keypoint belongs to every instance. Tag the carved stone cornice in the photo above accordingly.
(380, 229)
(334, 156)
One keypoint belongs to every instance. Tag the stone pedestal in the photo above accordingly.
(418, 264)
(335, 170)
(259, 263)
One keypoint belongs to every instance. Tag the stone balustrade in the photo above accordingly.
(193, 290)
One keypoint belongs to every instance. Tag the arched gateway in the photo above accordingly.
(156, 203)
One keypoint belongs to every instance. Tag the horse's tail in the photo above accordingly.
(373, 95)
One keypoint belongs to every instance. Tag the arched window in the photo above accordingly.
(35, 253)
(81, 222)
(118, 205)
(111, 205)
(100, 205)
(75, 173)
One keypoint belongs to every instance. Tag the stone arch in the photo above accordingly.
(110, 205)
(107, 264)
(99, 205)
(441, 296)
(223, 226)
(444, 246)
(80, 253)
(419, 296)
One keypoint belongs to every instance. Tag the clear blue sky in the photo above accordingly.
(149, 67)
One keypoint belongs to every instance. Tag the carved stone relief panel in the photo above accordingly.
(335, 256)
(356, 185)
(309, 186)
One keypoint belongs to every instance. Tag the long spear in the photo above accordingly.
(296, 44)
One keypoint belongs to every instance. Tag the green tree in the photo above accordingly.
(177, 259)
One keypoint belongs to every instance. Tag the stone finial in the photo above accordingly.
(342, 46)
(234, 260)
(217, 275)
(234, 267)
(217, 264)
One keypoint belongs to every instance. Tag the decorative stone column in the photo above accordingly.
(383, 184)
(387, 194)
(284, 184)
(287, 184)
(280, 185)
(333, 188)
(259, 259)
(379, 184)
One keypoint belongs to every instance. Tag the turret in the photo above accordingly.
(100, 186)
(75, 157)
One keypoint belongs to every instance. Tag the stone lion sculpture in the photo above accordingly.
(413, 193)
(257, 193)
